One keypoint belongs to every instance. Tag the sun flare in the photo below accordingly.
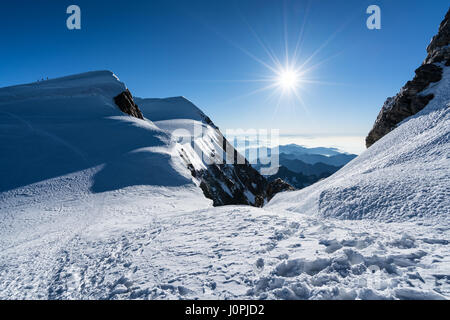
(288, 79)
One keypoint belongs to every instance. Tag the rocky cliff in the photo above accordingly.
(223, 174)
(238, 182)
(410, 99)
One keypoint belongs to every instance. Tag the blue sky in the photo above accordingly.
(209, 52)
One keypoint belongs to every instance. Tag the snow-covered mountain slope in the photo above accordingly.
(95, 204)
(223, 174)
(66, 125)
(151, 234)
(413, 96)
(194, 132)
(406, 171)
(405, 174)
(67, 136)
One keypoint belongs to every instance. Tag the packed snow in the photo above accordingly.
(148, 244)
(98, 205)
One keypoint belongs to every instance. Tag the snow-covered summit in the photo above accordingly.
(89, 83)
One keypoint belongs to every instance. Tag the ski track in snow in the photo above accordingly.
(108, 248)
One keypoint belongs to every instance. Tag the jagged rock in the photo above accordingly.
(277, 186)
(126, 104)
(409, 100)
(231, 184)
(438, 50)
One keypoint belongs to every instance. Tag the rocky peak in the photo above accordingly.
(409, 100)
(126, 104)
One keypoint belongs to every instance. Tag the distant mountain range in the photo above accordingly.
(298, 165)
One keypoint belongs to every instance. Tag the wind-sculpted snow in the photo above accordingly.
(404, 175)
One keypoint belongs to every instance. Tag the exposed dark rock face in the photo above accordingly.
(438, 50)
(232, 184)
(277, 186)
(224, 175)
(410, 100)
(405, 104)
(235, 182)
(126, 104)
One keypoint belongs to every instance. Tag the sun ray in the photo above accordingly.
(286, 44)
(267, 49)
(234, 44)
(326, 43)
(251, 93)
(315, 66)
(301, 38)
(302, 102)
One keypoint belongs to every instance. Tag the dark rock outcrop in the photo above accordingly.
(126, 104)
(234, 182)
(410, 100)
(438, 50)
(277, 186)
(224, 175)
(232, 185)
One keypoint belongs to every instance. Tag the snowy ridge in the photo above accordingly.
(88, 83)
(404, 175)
(206, 152)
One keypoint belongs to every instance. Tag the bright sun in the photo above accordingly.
(287, 80)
